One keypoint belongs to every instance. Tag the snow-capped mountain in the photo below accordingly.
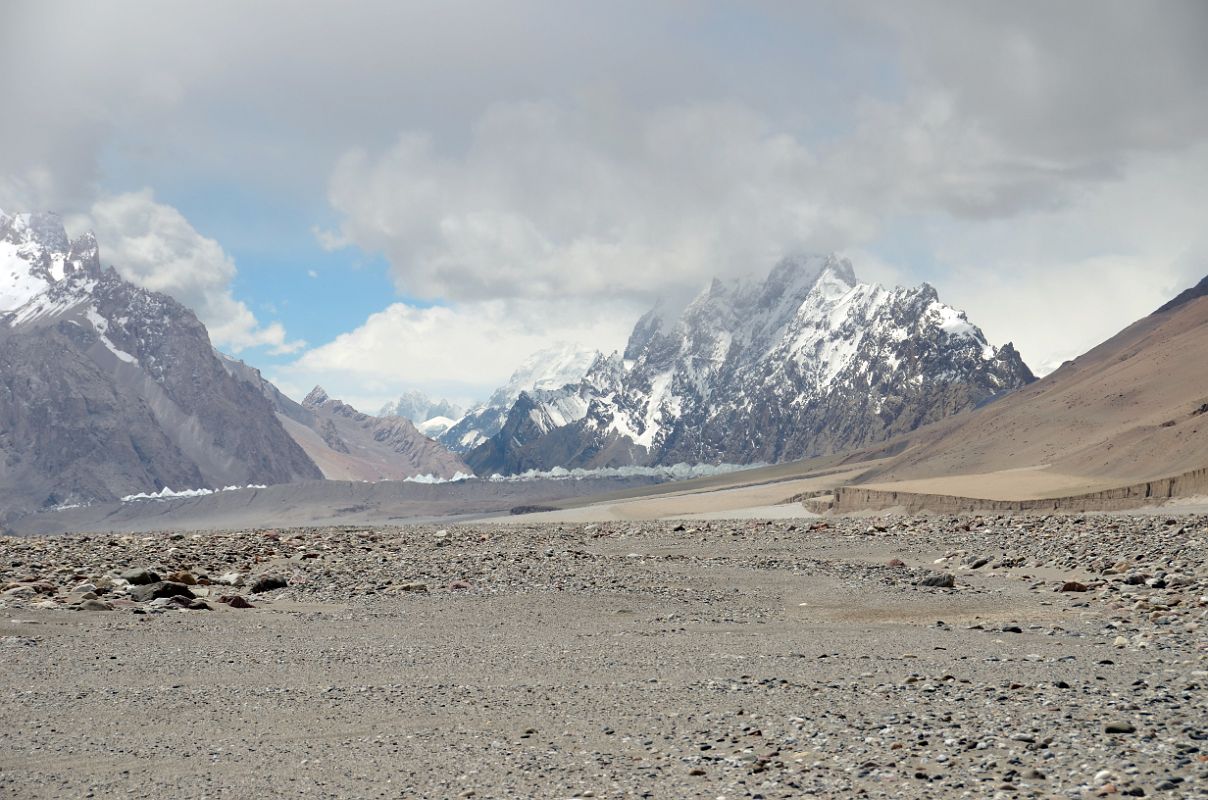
(107, 389)
(547, 370)
(418, 407)
(35, 254)
(807, 362)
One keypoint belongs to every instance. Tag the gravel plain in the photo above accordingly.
(944, 657)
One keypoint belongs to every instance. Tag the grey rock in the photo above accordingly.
(267, 583)
(941, 580)
(139, 577)
(158, 590)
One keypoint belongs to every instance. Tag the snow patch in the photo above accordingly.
(43, 305)
(168, 494)
(458, 477)
(547, 369)
(471, 439)
(101, 325)
(953, 322)
(435, 426)
(18, 283)
(674, 472)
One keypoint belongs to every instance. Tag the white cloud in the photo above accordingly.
(461, 352)
(154, 246)
(1034, 153)
(1060, 281)
(547, 202)
(558, 205)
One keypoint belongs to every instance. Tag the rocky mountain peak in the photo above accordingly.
(316, 398)
(108, 389)
(36, 254)
(805, 362)
(44, 228)
(794, 276)
(84, 256)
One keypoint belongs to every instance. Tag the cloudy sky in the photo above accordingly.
(381, 196)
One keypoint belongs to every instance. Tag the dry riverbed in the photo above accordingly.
(768, 659)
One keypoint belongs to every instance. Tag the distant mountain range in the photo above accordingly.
(807, 362)
(546, 370)
(346, 444)
(107, 389)
(431, 417)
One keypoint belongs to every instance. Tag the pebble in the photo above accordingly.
(1031, 716)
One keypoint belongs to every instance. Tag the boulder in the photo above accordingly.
(267, 583)
(154, 591)
(139, 577)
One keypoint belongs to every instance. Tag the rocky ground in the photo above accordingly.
(941, 657)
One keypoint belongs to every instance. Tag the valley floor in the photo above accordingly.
(772, 659)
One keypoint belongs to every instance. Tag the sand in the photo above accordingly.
(766, 500)
(1028, 483)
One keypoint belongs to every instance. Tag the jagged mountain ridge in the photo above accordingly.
(373, 448)
(108, 389)
(547, 370)
(346, 444)
(807, 362)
